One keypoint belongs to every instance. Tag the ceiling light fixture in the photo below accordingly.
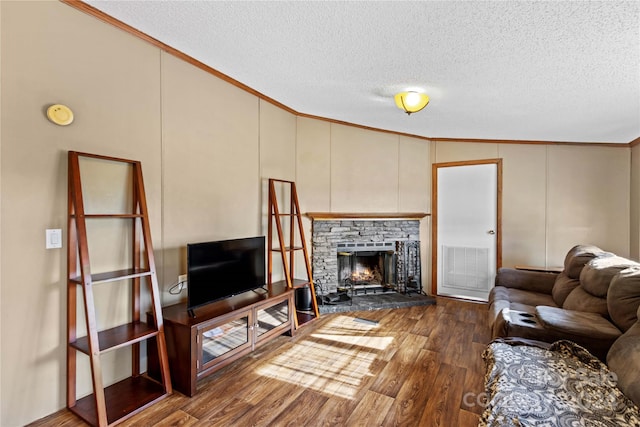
(411, 102)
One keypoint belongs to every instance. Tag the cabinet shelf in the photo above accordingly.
(112, 276)
(117, 337)
(304, 318)
(221, 333)
(123, 399)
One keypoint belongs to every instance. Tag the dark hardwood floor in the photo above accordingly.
(412, 369)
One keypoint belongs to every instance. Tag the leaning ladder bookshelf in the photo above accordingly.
(110, 405)
(286, 193)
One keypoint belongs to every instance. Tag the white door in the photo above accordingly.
(466, 228)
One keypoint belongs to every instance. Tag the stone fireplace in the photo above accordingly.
(367, 256)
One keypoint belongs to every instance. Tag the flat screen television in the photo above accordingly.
(220, 269)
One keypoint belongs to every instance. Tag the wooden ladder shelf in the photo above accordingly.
(110, 405)
(288, 247)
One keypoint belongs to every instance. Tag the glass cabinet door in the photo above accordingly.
(218, 340)
(271, 317)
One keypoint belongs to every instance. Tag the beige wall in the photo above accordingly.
(278, 161)
(313, 171)
(555, 197)
(364, 170)
(111, 81)
(523, 208)
(346, 169)
(1, 97)
(588, 196)
(634, 234)
(210, 154)
(207, 149)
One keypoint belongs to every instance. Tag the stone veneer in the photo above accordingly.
(326, 234)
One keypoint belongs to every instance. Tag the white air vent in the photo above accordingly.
(465, 268)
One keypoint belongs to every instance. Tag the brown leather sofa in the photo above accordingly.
(592, 302)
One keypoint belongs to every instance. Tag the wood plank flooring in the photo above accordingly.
(412, 369)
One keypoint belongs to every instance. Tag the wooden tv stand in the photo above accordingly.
(220, 333)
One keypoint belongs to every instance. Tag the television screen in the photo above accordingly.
(217, 270)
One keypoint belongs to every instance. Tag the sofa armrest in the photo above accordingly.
(523, 341)
(623, 359)
(534, 281)
(577, 323)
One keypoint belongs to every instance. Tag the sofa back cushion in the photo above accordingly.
(578, 256)
(562, 287)
(596, 275)
(623, 298)
(574, 262)
(624, 360)
(580, 300)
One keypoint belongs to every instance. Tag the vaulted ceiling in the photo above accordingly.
(519, 70)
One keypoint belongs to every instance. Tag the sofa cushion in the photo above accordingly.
(580, 300)
(577, 323)
(623, 298)
(597, 273)
(563, 287)
(520, 296)
(535, 281)
(590, 330)
(578, 256)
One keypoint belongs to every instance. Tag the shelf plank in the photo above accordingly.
(297, 283)
(288, 249)
(112, 276)
(117, 337)
(98, 216)
(366, 215)
(124, 399)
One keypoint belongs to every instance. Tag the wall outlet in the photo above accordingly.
(182, 278)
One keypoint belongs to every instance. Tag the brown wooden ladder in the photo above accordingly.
(285, 193)
(112, 404)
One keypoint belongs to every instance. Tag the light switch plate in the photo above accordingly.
(54, 238)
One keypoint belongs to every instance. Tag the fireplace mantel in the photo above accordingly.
(365, 215)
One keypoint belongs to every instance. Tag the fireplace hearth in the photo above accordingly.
(378, 301)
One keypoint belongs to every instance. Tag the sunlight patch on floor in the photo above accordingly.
(376, 343)
(334, 360)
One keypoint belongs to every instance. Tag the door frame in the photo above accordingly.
(434, 213)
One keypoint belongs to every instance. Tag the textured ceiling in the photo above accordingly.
(525, 70)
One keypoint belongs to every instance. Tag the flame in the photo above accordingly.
(364, 274)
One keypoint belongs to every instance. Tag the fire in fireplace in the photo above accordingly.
(366, 267)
